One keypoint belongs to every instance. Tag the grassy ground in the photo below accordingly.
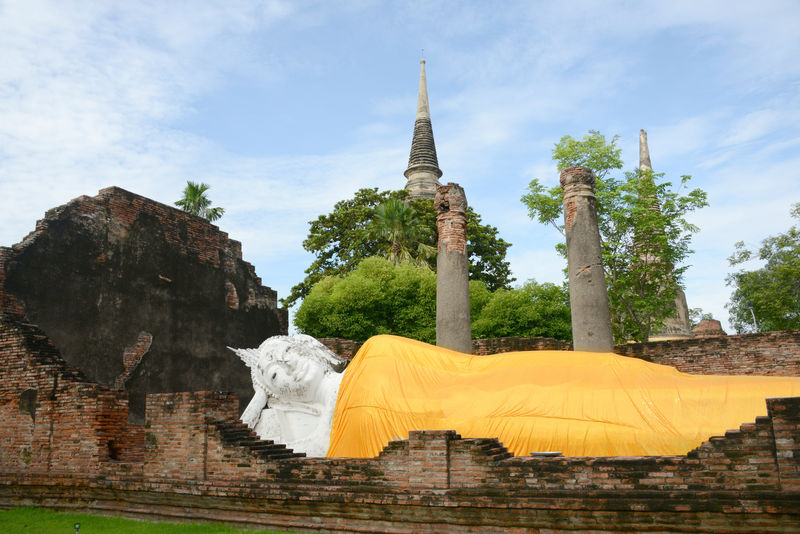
(42, 521)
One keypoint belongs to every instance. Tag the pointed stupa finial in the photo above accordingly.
(644, 152)
(423, 111)
(423, 171)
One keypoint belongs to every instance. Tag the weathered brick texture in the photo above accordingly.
(176, 438)
(345, 348)
(69, 446)
(53, 418)
(9, 304)
(483, 347)
(99, 271)
(451, 218)
(132, 356)
(708, 328)
(767, 353)
(785, 416)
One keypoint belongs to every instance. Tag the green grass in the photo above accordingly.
(43, 521)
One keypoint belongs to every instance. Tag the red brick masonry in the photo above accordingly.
(65, 443)
(140, 296)
(451, 218)
(767, 353)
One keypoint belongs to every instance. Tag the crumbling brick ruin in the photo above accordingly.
(65, 443)
(126, 276)
(140, 296)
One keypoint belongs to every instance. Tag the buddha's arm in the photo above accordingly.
(269, 426)
(252, 413)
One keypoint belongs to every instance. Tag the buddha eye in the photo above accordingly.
(274, 375)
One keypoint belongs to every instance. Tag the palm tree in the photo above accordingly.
(196, 202)
(396, 224)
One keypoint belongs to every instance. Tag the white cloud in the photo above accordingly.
(87, 92)
(93, 94)
(753, 126)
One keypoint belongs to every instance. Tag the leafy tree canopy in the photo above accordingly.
(643, 230)
(402, 232)
(379, 297)
(768, 298)
(532, 310)
(196, 202)
(343, 238)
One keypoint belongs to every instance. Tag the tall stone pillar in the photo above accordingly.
(588, 296)
(452, 270)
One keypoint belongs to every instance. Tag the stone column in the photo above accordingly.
(588, 296)
(452, 270)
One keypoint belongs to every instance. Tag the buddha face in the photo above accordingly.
(289, 375)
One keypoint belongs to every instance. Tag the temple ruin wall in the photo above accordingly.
(66, 444)
(766, 353)
(140, 296)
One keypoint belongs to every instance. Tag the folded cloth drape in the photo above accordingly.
(578, 403)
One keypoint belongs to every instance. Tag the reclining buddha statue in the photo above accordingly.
(577, 403)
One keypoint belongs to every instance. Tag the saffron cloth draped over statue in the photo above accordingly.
(579, 403)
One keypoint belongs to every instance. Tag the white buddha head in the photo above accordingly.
(291, 368)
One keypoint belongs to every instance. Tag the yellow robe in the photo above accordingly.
(578, 403)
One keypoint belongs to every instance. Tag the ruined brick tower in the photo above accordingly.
(423, 171)
(140, 296)
(677, 325)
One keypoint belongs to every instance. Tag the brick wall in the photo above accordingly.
(52, 417)
(132, 356)
(176, 440)
(483, 347)
(194, 460)
(140, 296)
(345, 348)
(767, 353)
(9, 304)
(435, 481)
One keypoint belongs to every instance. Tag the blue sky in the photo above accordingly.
(285, 108)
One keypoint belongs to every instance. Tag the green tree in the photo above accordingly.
(532, 310)
(381, 297)
(404, 234)
(343, 238)
(196, 202)
(377, 297)
(768, 298)
(643, 230)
